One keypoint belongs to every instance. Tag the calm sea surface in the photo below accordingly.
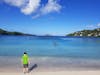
(54, 53)
(74, 47)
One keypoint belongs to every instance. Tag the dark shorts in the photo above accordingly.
(25, 65)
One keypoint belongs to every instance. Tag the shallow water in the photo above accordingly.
(54, 53)
(75, 47)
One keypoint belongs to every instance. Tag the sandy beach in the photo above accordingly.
(14, 64)
(47, 66)
(57, 73)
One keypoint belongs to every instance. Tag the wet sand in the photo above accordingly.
(50, 66)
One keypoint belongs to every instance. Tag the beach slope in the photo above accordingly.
(57, 73)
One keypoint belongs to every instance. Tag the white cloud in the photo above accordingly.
(26, 6)
(29, 7)
(93, 26)
(36, 16)
(98, 24)
(17, 3)
(90, 26)
(51, 6)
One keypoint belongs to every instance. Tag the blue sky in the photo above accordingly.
(55, 17)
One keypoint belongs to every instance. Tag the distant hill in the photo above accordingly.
(4, 32)
(87, 33)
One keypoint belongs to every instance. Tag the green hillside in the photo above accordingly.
(87, 33)
(4, 32)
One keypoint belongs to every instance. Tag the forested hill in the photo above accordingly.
(87, 33)
(4, 32)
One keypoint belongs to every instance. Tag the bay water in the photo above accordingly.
(58, 52)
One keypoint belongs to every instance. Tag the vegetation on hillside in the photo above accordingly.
(4, 32)
(87, 33)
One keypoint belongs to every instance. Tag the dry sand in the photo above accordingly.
(57, 73)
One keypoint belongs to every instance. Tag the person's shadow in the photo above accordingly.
(32, 67)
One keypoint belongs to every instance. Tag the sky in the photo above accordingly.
(52, 17)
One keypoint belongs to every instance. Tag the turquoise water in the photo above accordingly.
(54, 53)
(74, 47)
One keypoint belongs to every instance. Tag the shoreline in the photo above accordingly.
(48, 64)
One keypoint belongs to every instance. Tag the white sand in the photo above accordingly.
(57, 73)
(49, 66)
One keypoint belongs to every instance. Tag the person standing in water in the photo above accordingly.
(25, 62)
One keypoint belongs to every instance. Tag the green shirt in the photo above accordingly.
(25, 59)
